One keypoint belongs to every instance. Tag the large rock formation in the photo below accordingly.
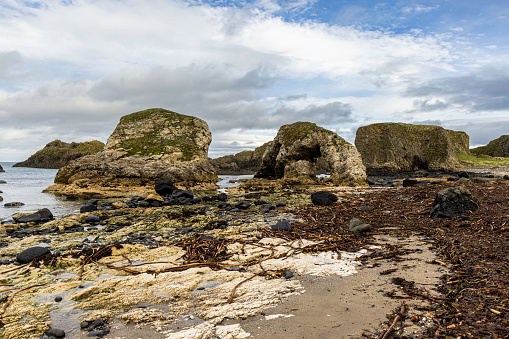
(496, 148)
(245, 162)
(1, 169)
(57, 154)
(389, 148)
(297, 148)
(460, 141)
(146, 146)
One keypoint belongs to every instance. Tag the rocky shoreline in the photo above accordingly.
(206, 265)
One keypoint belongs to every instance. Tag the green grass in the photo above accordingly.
(484, 161)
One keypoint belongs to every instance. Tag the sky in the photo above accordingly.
(70, 69)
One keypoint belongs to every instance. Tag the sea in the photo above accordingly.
(25, 184)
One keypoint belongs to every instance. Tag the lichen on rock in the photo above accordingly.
(388, 148)
(146, 146)
(301, 146)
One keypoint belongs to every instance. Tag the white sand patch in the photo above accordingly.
(207, 330)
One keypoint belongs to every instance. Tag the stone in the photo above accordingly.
(223, 205)
(389, 148)
(93, 201)
(84, 324)
(222, 197)
(266, 208)
(97, 323)
(57, 154)
(463, 174)
(92, 219)
(58, 299)
(146, 146)
(358, 226)
(243, 205)
(177, 194)
(164, 187)
(495, 148)
(1, 169)
(31, 253)
(323, 198)
(245, 162)
(452, 202)
(410, 182)
(306, 146)
(56, 333)
(365, 208)
(43, 214)
(288, 274)
(280, 204)
(14, 204)
(154, 197)
(283, 225)
(88, 208)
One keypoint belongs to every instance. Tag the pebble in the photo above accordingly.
(283, 225)
(58, 299)
(84, 324)
(358, 226)
(56, 333)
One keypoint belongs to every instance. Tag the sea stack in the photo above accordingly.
(145, 146)
(299, 148)
(389, 148)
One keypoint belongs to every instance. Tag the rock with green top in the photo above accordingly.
(57, 154)
(302, 146)
(389, 148)
(496, 148)
(245, 162)
(146, 146)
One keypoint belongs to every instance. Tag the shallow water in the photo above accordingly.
(24, 184)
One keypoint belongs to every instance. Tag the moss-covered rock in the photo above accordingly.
(300, 145)
(245, 162)
(57, 154)
(460, 141)
(145, 146)
(396, 147)
(496, 148)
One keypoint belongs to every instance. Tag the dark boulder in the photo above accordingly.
(222, 197)
(55, 332)
(92, 219)
(177, 194)
(31, 253)
(243, 205)
(41, 215)
(452, 202)
(323, 198)
(88, 208)
(410, 182)
(266, 208)
(164, 187)
(14, 204)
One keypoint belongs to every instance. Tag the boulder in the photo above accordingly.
(41, 215)
(389, 148)
(316, 147)
(1, 169)
(88, 208)
(452, 202)
(57, 154)
(164, 187)
(14, 204)
(283, 225)
(31, 253)
(323, 198)
(495, 148)
(245, 162)
(358, 226)
(146, 146)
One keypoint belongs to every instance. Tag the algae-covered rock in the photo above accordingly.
(57, 154)
(396, 147)
(245, 162)
(495, 148)
(146, 146)
(305, 141)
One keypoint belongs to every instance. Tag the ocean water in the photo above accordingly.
(24, 184)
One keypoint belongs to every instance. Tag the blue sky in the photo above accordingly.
(70, 69)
